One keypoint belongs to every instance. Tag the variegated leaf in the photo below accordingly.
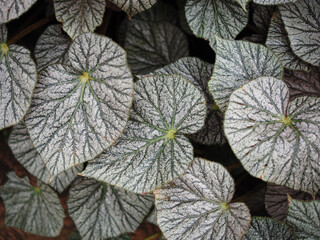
(262, 16)
(52, 47)
(18, 78)
(102, 211)
(197, 205)
(224, 18)
(301, 20)
(79, 16)
(243, 3)
(11, 9)
(304, 219)
(199, 72)
(153, 150)
(279, 43)
(151, 45)
(237, 63)
(275, 140)
(152, 218)
(273, 2)
(82, 109)
(132, 7)
(268, 229)
(24, 151)
(34, 209)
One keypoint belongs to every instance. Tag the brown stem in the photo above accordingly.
(104, 27)
(233, 166)
(30, 29)
(153, 236)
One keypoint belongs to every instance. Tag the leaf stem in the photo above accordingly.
(30, 29)
(153, 236)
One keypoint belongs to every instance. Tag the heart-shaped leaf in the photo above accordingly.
(151, 45)
(132, 7)
(153, 150)
(279, 43)
(34, 209)
(301, 20)
(199, 72)
(79, 16)
(275, 140)
(24, 151)
(225, 18)
(52, 47)
(101, 211)
(267, 228)
(11, 9)
(18, 79)
(197, 205)
(304, 219)
(82, 109)
(237, 63)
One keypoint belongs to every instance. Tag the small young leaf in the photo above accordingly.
(267, 228)
(34, 209)
(153, 150)
(79, 111)
(102, 211)
(199, 72)
(152, 45)
(225, 18)
(197, 205)
(275, 140)
(237, 63)
(304, 218)
(132, 7)
(301, 20)
(279, 43)
(52, 47)
(79, 16)
(18, 79)
(11, 9)
(24, 151)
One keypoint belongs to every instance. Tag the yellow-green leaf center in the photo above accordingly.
(85, 77)
(286, 120)
(4, 48)
(171, 133)
(37, 189)
(224, 206)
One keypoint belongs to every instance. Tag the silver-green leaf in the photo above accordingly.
(153, 150)
(273, 2)
(82, 109)
(18, 78)
(268, 229)
(224, 18)
(151, 45)
(79, 16)
(301, 20)
(237, 63)
(275, 140)
(11, 9)
(197, 205)
(132, 7)
(34, 209)
(52, 47)
(102, 211)
(199, 72)
(24, 151)
(304, 218)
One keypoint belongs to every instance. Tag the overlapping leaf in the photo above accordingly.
(102, 211)
(225, 18)
(199, 72)
(301, 20)
(237, 63)
(24, 151)
(304, 218)
(275, 140)
(79, 16)
(273, 2)
(82, 109)
(153, 150)
(11, 9)
(34, 209)
(197, 205)
(52, 47)
(279, 43)
(267, 228)
(151, 45)
(243, 3)
(18, 78)
(132, 7)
